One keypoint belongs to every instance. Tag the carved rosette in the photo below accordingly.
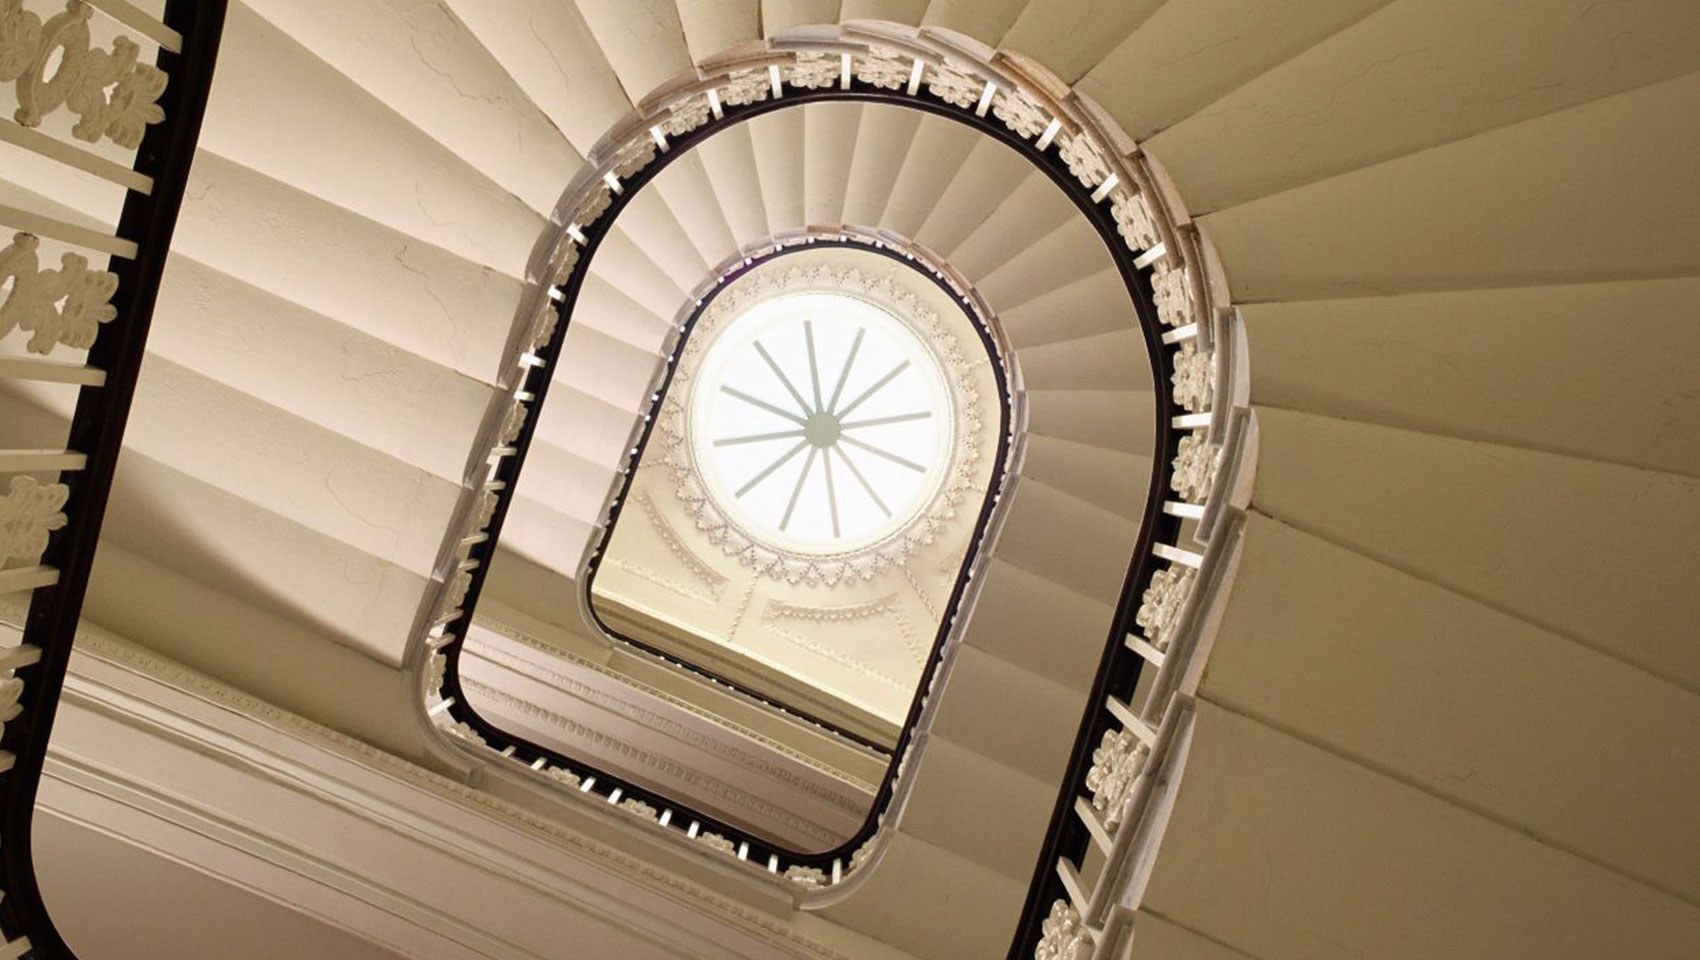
(57, 307)
(513, 421)
(745, 87)
(112, 95)
(1134, 221)
(1172, 290)
(435, 671)
(11, 689)
(884, 68)
(635, 156)
(1085, 160)
(815, 71)
(564, 775)
(1194, 378)
(593, 205)
(638, 808)
(463, 730)
(808, 878)
(1061, 935)
(687, 115)
(715, 841)
(1195, 469)
(29, 512)
(1161, 604)
(459, 586)
(859, 565)
(1021, 112)
(1115, 766)
(955, 86)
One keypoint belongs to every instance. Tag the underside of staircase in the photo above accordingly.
(1452, 702)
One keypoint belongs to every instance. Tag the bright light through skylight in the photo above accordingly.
(821, 422)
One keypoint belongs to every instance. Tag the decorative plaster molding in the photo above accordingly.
(894, 292)
(58, 307)
(29, 511)
(112, 94)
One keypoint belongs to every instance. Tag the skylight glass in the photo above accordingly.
(821, 423)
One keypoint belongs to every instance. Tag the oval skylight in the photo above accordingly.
(821, 422)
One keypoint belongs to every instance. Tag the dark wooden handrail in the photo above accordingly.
(165, 155)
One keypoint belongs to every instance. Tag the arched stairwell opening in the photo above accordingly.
(1451, 695)
(1107, 302)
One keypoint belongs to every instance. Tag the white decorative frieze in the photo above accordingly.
(63, 307)
(113, 96)
(29, 512)
(638, 808)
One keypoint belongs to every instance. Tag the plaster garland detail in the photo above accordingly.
(29, 512)
(63, 307)
(114, 96)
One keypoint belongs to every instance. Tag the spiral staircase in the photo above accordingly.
(1450, 702)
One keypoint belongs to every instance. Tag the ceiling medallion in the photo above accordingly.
(822, 424)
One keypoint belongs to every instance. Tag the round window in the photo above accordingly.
(821, 422)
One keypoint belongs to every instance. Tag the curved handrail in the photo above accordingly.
(937, 71)
(69, 513)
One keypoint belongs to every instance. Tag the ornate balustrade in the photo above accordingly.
(136, 100)
(1202, 438)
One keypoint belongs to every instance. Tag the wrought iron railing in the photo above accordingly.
(50, 528)
(1163, 265)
